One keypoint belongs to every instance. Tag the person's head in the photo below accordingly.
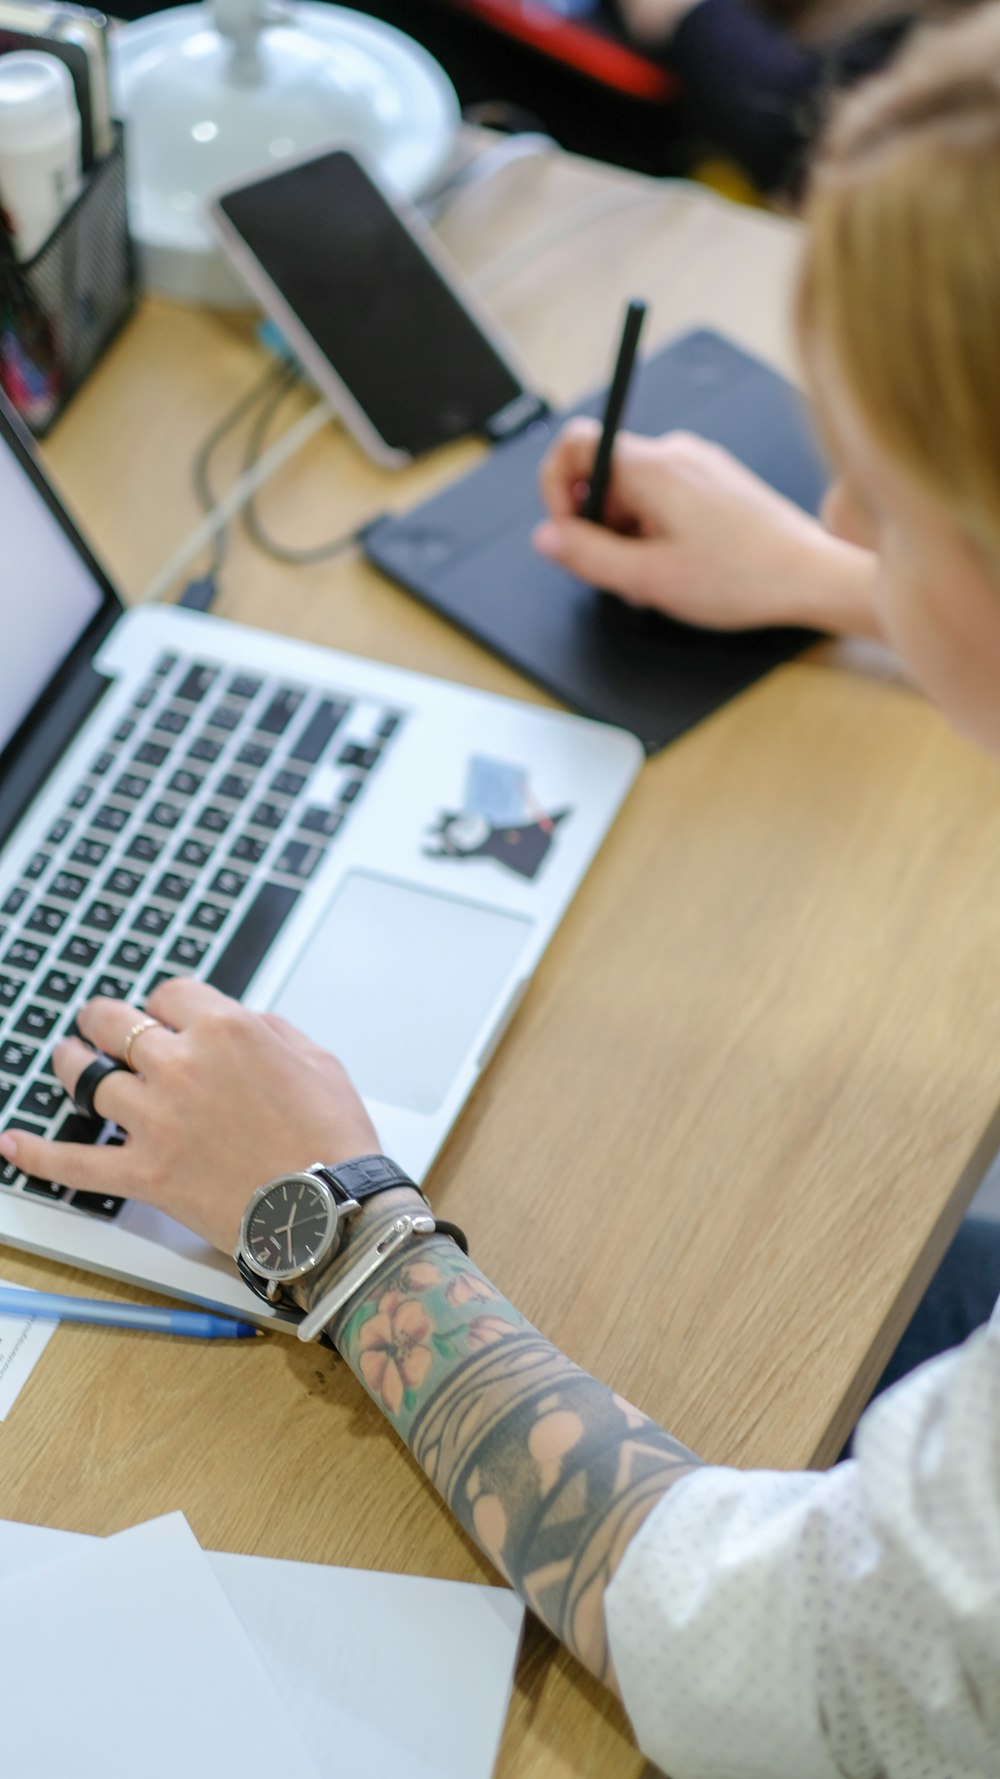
(899, 319)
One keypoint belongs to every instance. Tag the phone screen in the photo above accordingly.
(394, 332)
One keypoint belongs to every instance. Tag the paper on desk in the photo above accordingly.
(23, 1340)
(124, 1656)
(380, 1673)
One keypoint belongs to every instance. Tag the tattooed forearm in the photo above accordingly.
(549, 1470)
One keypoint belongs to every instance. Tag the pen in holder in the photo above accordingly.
(60, 309)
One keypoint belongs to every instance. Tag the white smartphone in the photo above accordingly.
(372, 308)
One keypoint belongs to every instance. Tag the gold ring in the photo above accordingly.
(141, 1025)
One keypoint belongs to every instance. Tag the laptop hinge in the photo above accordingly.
(51, 732)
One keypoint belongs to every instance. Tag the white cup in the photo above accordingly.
(39, 146)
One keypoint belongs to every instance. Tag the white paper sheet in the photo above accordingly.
(23, 1340)
(124, 1656)
(381, 1674)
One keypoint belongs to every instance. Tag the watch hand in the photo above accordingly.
(288, 1232)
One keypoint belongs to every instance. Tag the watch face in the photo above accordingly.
(289, 1227)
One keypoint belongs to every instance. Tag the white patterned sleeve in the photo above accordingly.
(835, 1625)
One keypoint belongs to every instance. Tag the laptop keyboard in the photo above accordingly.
(181, 852)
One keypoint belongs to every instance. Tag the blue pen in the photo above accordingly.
(196, 1324)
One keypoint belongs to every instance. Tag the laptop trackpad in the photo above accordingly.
(397, 982)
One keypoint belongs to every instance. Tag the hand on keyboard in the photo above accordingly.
(226, 1100)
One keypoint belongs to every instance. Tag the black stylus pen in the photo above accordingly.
(593, 506)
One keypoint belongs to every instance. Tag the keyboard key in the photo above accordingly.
(123, 730)
(268, 815)
(280, 711)
(155, 981)
(145, 847)
(288, 784)
(131, 785)
(164, 815)
(172, 721)
(81, 796)
(150, 753)
(89, 852)
(145, 695)
(205, 749)
(9, 1173)
(254, 753)
(68, 885)
(388, 727)
(102, 916)
(228, 883)
(349, 791)
(15, 1057)
(153, 921)
(193, 852)
(61, 985)
(36, 1022)
(45, 918)
(249, 848)
(226, 716)
(42, 1100)
(185, 783)
(58, 833)
(234, 785)
(165, 665)
(317, 732)
(172, 887)
(80, 950)
(298, 858)
(196, 682)
(10, 988)
(322, 821)
(6, 1089)
(96, 1203)
(44, 1188)
(131, 955)
(209, 917)
(75, 1128)
(15, 899)
(35, 867)
(122, 882)
(253, 938)
(362, 757)
(23, 955)
(102, 764)
(116, 988)
(187, 952)
(110, 819)
(243, 686)
(214, 819)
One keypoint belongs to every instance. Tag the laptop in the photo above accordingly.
(378, 856)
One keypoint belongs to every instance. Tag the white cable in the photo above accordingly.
(593, 209)
(241, 491)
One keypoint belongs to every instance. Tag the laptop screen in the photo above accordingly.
(49, 592)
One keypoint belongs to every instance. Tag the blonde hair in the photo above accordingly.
(901, 275)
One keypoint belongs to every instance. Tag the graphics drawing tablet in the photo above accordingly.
(467, 552)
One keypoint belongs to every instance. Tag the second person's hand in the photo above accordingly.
(690, 531)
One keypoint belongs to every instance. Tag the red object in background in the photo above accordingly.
(578, 44)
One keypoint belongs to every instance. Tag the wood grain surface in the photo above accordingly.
(751, 1088)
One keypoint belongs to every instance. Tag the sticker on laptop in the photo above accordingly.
(500, 819)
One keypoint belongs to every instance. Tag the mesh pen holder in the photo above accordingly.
(61, 309)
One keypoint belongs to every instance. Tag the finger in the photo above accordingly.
(567, 463)
(118, 1096)
(83, 1167)
(106, 1024)
(179, 1002)
(603, 558)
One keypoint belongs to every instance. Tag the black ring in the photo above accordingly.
(85, 1089)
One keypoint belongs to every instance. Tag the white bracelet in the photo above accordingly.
(399, 1235)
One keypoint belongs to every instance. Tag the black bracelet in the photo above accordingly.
(452, 1229)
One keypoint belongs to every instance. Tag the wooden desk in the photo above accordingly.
(737, 1117)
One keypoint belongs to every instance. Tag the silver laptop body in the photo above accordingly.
(379, 856)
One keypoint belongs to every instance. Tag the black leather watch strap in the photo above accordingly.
(366, 1175)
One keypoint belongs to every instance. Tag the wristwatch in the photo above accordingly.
(294, 1225)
